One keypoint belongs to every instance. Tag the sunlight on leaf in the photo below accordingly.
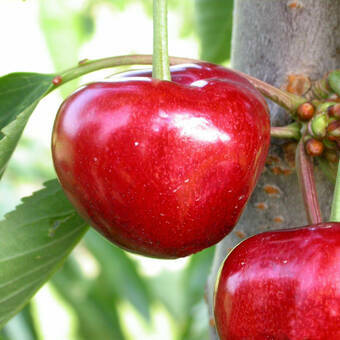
(19, 95)
(29, 253)
(214, 25)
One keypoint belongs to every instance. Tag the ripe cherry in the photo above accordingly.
(161, 168)
(282, 285)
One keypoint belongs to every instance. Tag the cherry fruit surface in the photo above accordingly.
(162, 168)
(282, 285)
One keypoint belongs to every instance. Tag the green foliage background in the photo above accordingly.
(96, 301)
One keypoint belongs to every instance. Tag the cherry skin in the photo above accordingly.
(161, 168)
(186, 74)
(282, 285)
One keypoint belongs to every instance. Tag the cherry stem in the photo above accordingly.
(288, 131)
(305, 174)
(89, 66)
(335, 212)
(287, 100)
(283, 98)
(160, 60)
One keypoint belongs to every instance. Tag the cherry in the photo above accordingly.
(161, 168)
(282, 285)
(186, 74)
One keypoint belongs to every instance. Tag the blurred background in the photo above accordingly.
(102, 292)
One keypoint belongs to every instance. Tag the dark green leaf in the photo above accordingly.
(18, 91)
(19, 95)
(35, 239)
(334, 81)
(3, 336)
(214, 25)
(120, 272)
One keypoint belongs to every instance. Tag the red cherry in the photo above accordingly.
(161, 168)
(186, 74)
(282, 285)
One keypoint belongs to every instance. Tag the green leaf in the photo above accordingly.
(196, 275)
(328, 168)
(65, 27)
(35, 239)
(195, 279)
(167, 287)
(120, 272)
(214, 26)
(22, 326)
(19, 95)
(19, 91)
(334, 81)
(92, 300)
(3, 336)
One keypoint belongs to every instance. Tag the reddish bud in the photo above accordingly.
(333, 131)
(57, 80)
(334, 111)
(314, 147)
(333, 98)
(305, 111)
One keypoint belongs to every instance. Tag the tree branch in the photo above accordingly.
(272, 40)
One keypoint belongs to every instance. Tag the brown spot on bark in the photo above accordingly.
(272, 159)
(289, 150)
(261, 206)
(280, 171)
(206, 296)
(294, 4)
(276, 170)
(298, 84)
(240, 234)
(287, 172)
(271, 190)
(212, 322)
(278, 219)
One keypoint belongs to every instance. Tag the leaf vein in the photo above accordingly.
(54, 259)
(8, 297)
(47, 245)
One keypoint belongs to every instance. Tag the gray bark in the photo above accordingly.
(272, 39)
